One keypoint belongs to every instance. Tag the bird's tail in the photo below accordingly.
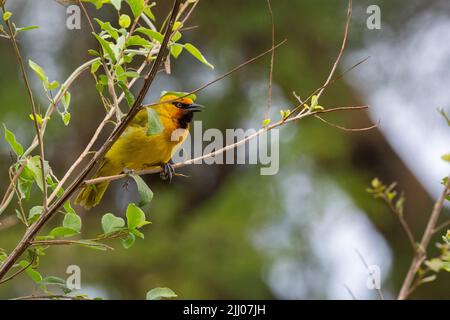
(91, 195)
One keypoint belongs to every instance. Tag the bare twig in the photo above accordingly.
(9, 192)
(226, 74)
(59, 242)
(442, 226)
(350, 292)
(345, 128)
(379, 292)
(51, 297)
(341, 52)
(421, 253)
(272, 57)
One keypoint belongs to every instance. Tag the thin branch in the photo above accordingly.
(50, 297)
(12, 35)
(379, 292)
(441, 226)
(272, 57)
(226, 74)
(341, 52)
(9, 192)
(420, 254)
(226, 148)
(345, 128)
(350, 292)
(21, 270)
(59, 242)
(91, 25)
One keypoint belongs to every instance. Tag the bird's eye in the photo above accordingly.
(178, 104)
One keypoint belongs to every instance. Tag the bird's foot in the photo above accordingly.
(167, 172)
(128, 171)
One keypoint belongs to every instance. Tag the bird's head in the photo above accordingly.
(178, 108)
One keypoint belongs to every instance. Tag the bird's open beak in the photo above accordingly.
(195, 107)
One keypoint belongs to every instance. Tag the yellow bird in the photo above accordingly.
(136, 149)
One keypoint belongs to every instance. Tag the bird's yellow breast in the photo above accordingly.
(135, 150)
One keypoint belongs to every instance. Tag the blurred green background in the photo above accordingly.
(227, 232)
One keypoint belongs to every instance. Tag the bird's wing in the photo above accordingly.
(140, 119)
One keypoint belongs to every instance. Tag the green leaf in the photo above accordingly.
(137, 7)
(446, 157)
(53, 85)
(26, 28)
(7, 15)
(95, 66)
(176, 49)
(35, 212)
(445, 116)
(66, 118)
(145, 193)
(72, 221)
(62, 232)
(52, 280)
(266, 122)
(38, 70)
(124, 21)
(33, 274)
(106, 26)
(154, 125)
(137, 233)
(117, 4)
(428, 279)
(197, 54)
(106, 47)
(152, 34)
(148, 12)
(33, 168)
(94, 53)
(434, 264)
(111, 223)
(160, 293)
(66, 100)
(128, 241)
(137, 41)
(11, 139)
(176, 36)
(128, 94)
(135, 217)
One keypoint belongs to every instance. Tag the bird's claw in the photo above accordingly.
(128, 171)
(167, 172)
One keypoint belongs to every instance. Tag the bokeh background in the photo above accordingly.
(227, 232)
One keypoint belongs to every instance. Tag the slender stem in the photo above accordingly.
(50, 297)
(9, 192)
(420, 254)
(341, 51)
(12, 35)
(20, 271)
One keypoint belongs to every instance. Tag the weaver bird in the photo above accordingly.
(136, 149)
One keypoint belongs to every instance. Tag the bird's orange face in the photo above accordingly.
(181, 109)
